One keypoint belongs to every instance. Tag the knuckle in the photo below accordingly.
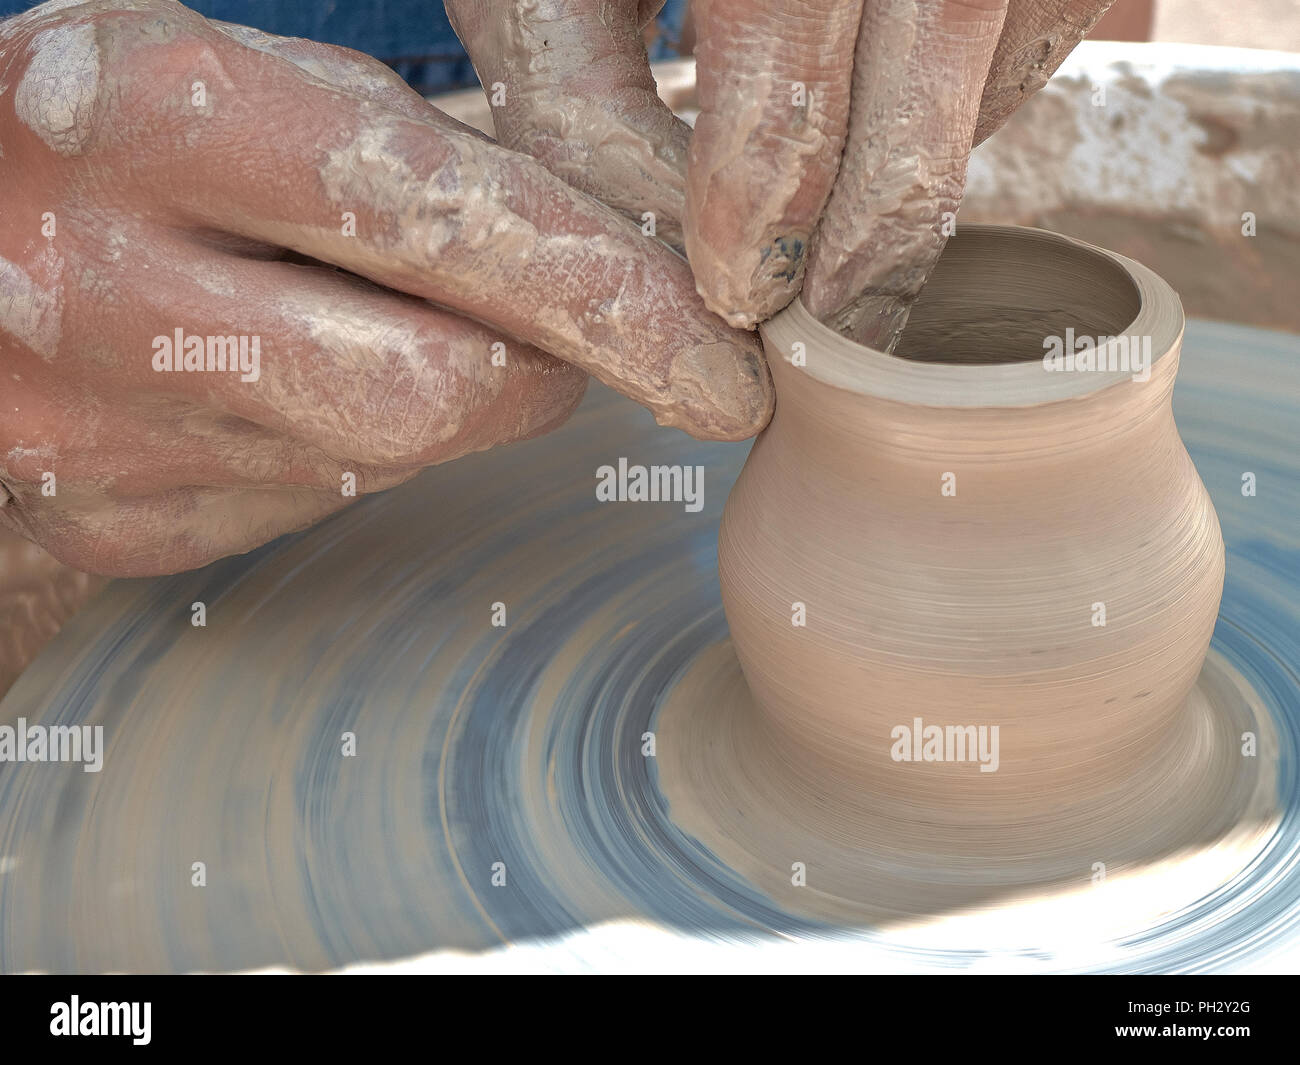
(58, 91)
(410, 400)
(84, 70)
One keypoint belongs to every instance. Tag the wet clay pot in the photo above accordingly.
(970, 537)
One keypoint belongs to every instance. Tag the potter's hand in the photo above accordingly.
(859, 116)
(570, 85)
(156, 166)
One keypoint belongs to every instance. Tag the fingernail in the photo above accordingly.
(749, 287)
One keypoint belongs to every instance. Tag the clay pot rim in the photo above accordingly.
(843, 364)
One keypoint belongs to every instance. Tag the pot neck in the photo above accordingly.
(833, 424)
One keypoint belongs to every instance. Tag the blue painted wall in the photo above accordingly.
(412, 36)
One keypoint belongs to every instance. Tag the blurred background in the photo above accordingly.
(415, 38)
(1246, 24)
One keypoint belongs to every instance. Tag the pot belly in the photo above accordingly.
(874, 630)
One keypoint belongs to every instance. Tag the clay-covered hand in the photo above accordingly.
(570, 84)
(832, 142)
(181, 195)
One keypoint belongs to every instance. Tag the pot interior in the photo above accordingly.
(997, 294)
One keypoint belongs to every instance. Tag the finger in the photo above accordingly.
(1036, 38)
(37, 597)
(433, 211)
(339, 374)
(917, 77)
(570, 85)
(191, 465)
(159, 442)
(342, 69)
(773, 81)
(179, 530)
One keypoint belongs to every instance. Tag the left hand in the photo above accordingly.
(851, 180)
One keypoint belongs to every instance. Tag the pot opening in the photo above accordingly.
(1001, 295)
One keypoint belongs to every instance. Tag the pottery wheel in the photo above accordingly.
(501, 808)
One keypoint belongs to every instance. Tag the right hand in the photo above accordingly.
(833, 137)
(164, 172)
